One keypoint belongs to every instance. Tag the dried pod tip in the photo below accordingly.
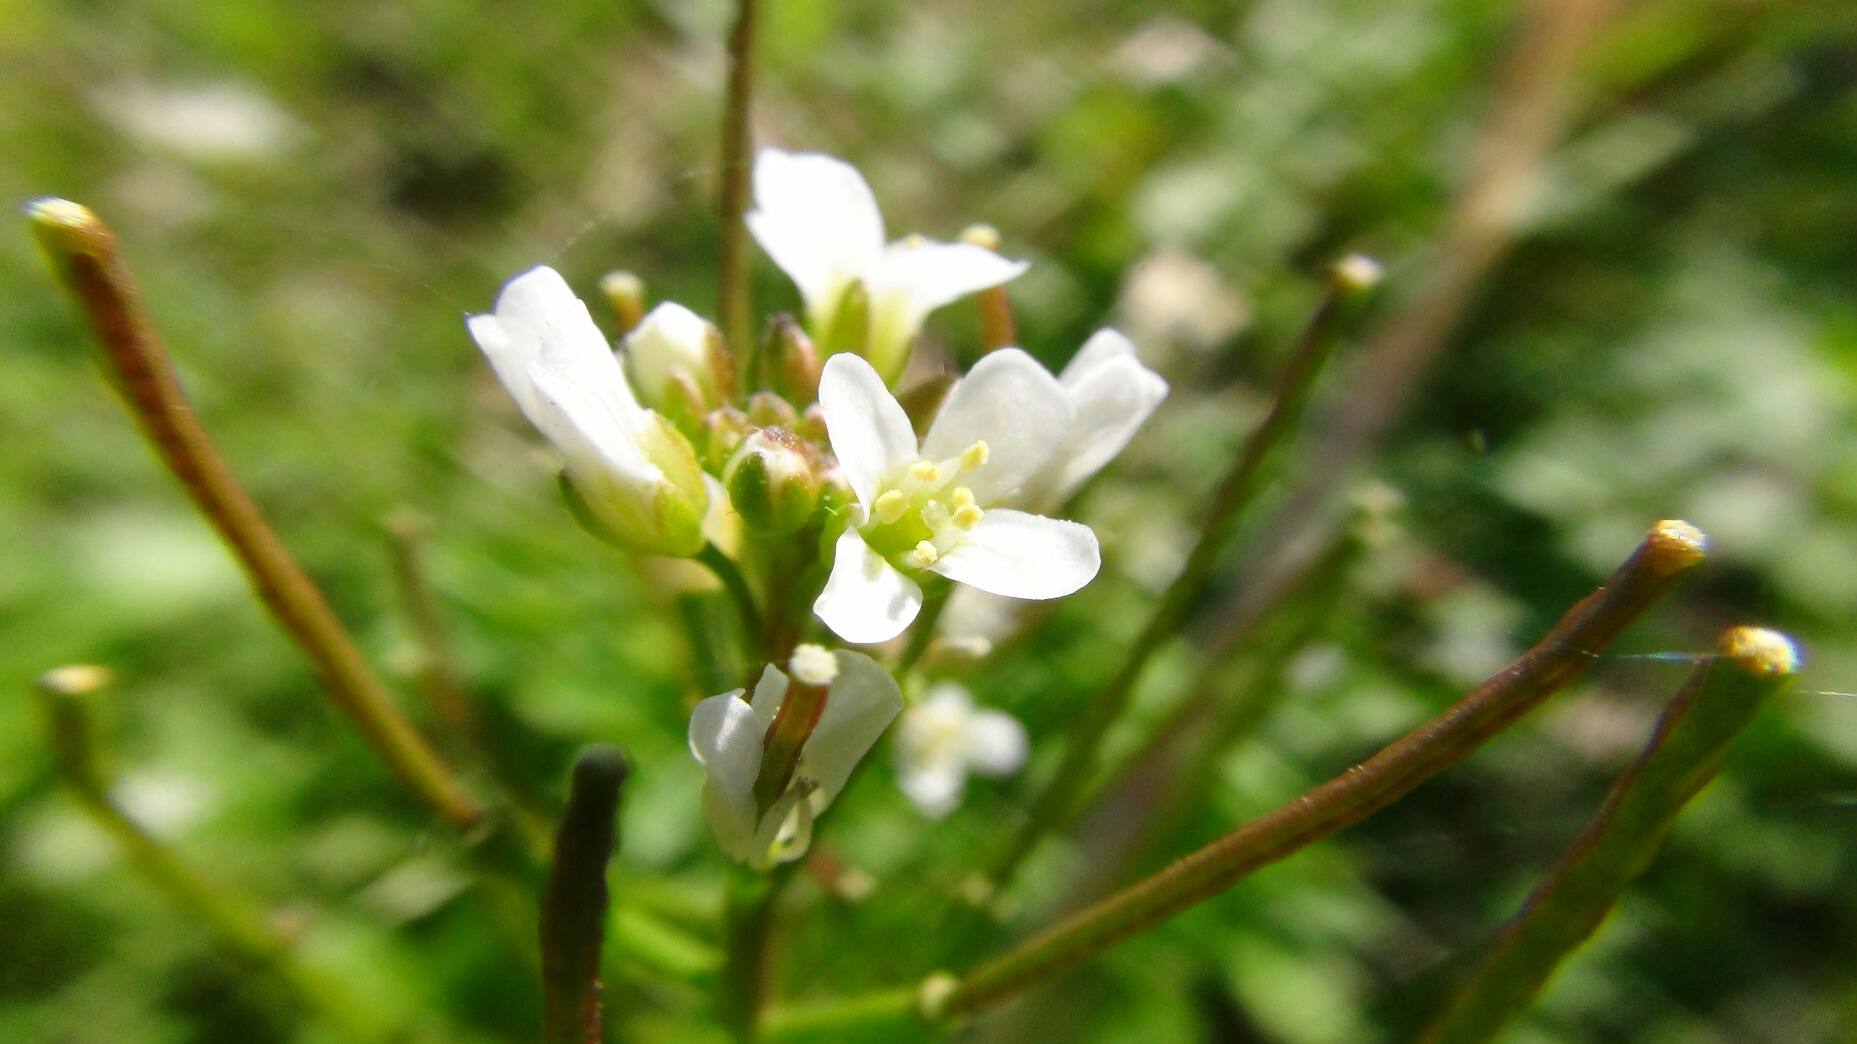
(1678, 544)
(1761, 651)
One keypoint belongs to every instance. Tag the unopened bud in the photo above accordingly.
(676, 362)
(767, 410)
(625, 292)
(772, 482)
(849, 328)
(723, 432)
(789, 364)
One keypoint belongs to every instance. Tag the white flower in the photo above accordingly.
(631, 468)
(816, 217)
(943, 738)
(728, 735)
(1111, 394)
(933, 506)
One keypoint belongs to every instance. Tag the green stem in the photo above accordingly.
(834, 1018)
(1718, 701)
(747, 918)
(574, 909)
(732, 580)
(934, 600)
(438, 674)
(1051, 809)
(1557, 659)
(87, 259)
(737, 167)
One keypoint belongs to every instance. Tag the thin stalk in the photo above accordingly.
(1556, 660)
(833, 1018)
(1051, 809)
(737, 586)
(1719, 700)
(997, 327)
(574, 910)
(84, 253)
(238, 922)
(438, 674)
(737, 167)
(934, 600)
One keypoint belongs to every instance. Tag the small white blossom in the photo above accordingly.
(633, 470)
(816, 217)
(728, 735)
(943, 738)
(936, 506)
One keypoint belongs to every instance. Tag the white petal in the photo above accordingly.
(769, 693)
(540, 326)
(1104, 347)
(996, 744)
(732, 823)
(928, 274)
(870, 433)
(725, 737)
(934, 788)
(866, 600)
(1012, 404)
(1111, 395)
(861, 703)
(1023, 556)
(816, 217)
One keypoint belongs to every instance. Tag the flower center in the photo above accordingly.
(924, 511)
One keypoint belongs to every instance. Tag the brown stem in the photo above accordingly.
(85, 254)
(732, 275)
(1362, 790)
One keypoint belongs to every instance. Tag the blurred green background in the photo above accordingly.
(1655, 316)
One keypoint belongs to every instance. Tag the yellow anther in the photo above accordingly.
(962, 497)
(890, 507)
(974, 456)
(923, 471)
(968, 517)
(914, 241)
(925, 554)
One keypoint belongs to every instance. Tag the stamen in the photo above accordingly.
(890, 507)
(924, 472)
(925, 554)
(967, 517)
(962, 497)
(974, 456)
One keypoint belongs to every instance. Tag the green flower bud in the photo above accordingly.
(772, 482)
(789, 364)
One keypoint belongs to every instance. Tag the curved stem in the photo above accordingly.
(1557, 659)
(1052, 807)
(732, 580)
(85, 254)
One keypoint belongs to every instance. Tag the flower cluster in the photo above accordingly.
(846, 513)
